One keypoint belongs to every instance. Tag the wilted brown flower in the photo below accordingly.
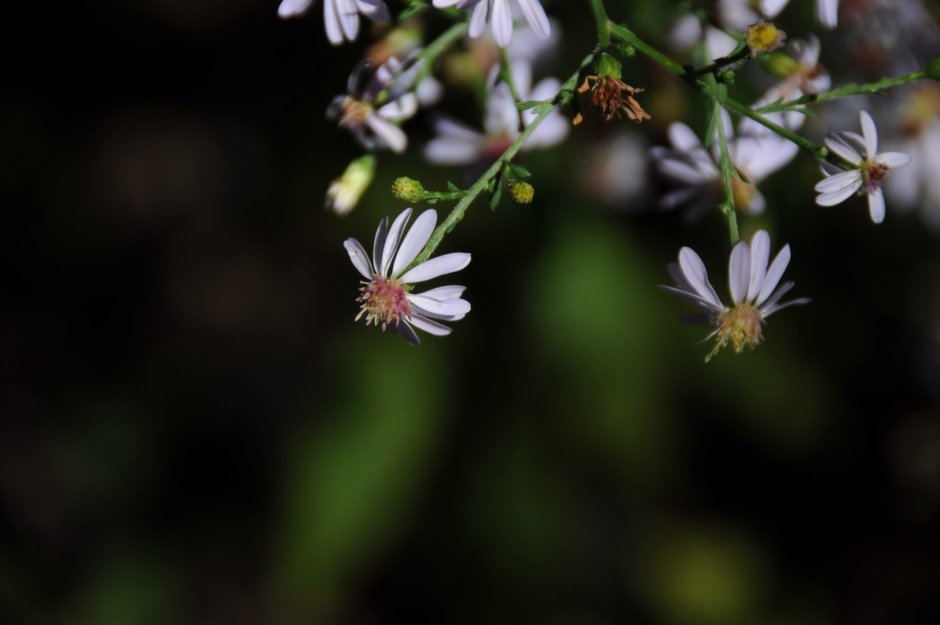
(613, 98)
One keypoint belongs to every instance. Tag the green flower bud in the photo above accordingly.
(408, 189)
(521, 192)
(780, 64)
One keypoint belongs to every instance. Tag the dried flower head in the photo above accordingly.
(612, 98)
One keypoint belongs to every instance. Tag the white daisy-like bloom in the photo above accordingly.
(456, 143)
(374, 106)
(386, 298)
(755, 294)
(697, 175)
(340, 17)
(498, 14)
(740, 14)
(869, 168)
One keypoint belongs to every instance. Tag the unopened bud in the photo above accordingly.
(344, 192)
(764, 37)
(521, 192)
(408, 189)
(780, 64)
(933, 69)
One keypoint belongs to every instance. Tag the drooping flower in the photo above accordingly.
(374, 106)
(498, 14)
(868, 172)
(386, 299)
(456, 143)
(752, 285)
(340, 17)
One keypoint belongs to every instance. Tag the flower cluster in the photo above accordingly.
(491, 52)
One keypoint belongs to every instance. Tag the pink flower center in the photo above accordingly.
(384, 301)
(874, 174)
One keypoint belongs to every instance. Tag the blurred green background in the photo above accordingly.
(194, 430)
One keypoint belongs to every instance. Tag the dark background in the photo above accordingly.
(194, 430)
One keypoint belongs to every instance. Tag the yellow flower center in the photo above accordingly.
(740, 327)
(763, 37)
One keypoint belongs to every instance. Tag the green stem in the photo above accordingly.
(846, 90)
(505, 74)
(603, 24)
(812, 147)
(628, 36)
(728, 171)
(719, 63)
(435, 49)
(542, 111)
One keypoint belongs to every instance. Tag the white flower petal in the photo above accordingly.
(431, 327)
(760, 256)
(292, 8)
(841, 147)
(693, 269)
(359, 258)
(535, 15)
(870, 133)
(739, 271)
(434, 267)
(415, 240)
(839, 181)
(447, 151)
(408, 333)
(400, 109)
(774, 273)
(501, 19)
(375, 10)
(388, 133)
(769, 310)
(334, 30)
(378, 243)
(828, 12)
(837, 197)
(478, 19)
(772, 8)
(692, 298)
(892, 159)
(392, 240)
(449, 310)
(876, 206)
(443, 293)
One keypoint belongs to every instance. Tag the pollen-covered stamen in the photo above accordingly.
(355, 112)
(739, 327)
(874, 174)
(384, 301)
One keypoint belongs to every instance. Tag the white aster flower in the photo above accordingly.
(340, 17)
(374, 106)
(869, 168)
(498, 13)
(386, 298)
(458, 144)
(752, 284)
(756, 153)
